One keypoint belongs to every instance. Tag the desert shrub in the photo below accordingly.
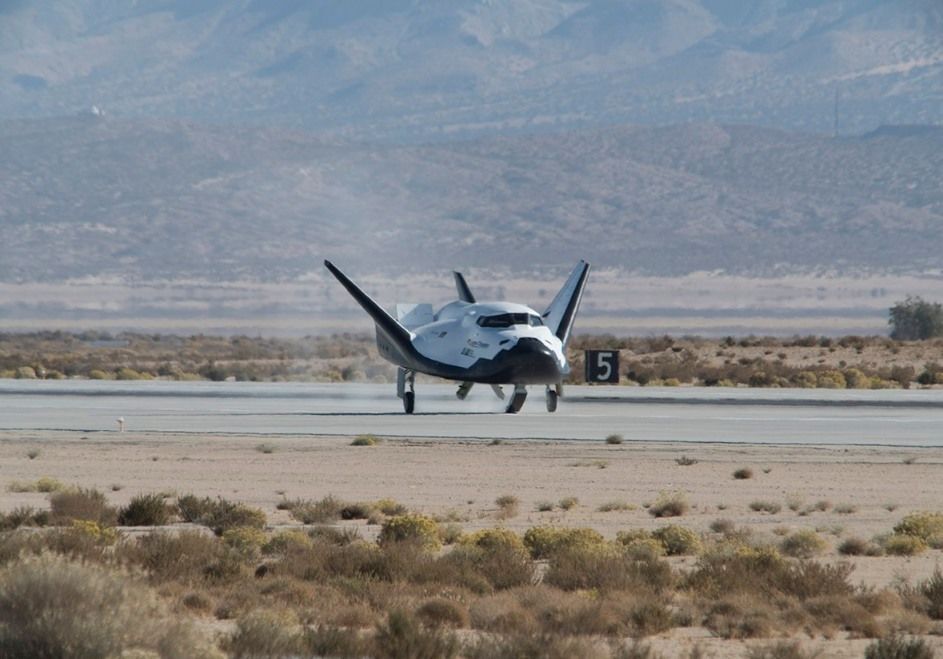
(932, 591)
(685, 461)
(265, 448)
(606, 567)
(544, 541)
(921, 525)
(856, 547)
(365, 440)
(781, 650)
(491, 565)
(846, 509)
(568, 503)
(670, 504)
(410, 527)
(280, 542)
(544, 506)
(440, 612)
(330, 641)
(225, 515)
(145, 510)
(614, 439)
(335, 536)
(192, 508)
(169, 555)
(899, 647)
(53, 607)
(23, 516)
(723, 526)
(244, 540)
(265, 635)
(677, 540)
(494, 538)
(615, 506)
(324, 510)
(390, 507)
(743, 473)
(535, 646)
(83, 504)
(803, 544)
(356, 511)
(402, 635)
(770, 507)
(904, 545)
(507, 506)
(831, 380)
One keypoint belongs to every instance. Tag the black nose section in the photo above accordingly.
(531, 362)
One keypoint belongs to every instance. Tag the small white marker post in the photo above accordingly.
(120, 424)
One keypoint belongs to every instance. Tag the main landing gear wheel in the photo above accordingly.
(517, 399)
(551, 400)
(409, 402)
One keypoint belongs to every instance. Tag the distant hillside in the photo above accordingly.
(145, 200)
(408, 70)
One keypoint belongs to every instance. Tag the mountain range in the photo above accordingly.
(415, 71)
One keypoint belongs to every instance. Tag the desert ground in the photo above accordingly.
(838, 492)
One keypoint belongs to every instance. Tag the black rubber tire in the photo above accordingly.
(516, 403)
(409, 402)
(551, 401)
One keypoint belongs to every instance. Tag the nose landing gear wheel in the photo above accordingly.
(517, 399)
(409, 402)
(551, 400)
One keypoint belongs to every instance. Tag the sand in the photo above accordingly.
(462, 479)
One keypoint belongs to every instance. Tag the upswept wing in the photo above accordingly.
(561, 313)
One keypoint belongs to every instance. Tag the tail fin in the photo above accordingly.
(560, 314)
(464, 292)
(391, 328)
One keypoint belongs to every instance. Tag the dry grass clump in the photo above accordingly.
(366, 440)
(568, 503)
(145, 510)
(44, 484)
(53, 607)
(743, 473)
(265, 448)
(670, 504)
(23, 516)
(308, 511)
(81, 504)
(640, 544)
(528, 646)
(899, 647)
(782, 650)
(805, 543)
(904, 545)
(685, 461)
(33, 453)
(723, 526)
(606, 567)
(403, 635)
(614, 439)
(186, 555)
(615, 506)
(389, 507)
(544, 506)
(441, 612)
(508, 506)
(770, 507)
(846, 508)
(859, 547)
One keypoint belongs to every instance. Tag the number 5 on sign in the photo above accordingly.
(602, 366)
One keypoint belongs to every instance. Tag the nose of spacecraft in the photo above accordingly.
(533, 362)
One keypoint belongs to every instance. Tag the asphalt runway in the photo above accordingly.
(752, 416)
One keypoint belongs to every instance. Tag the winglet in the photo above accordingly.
(464, 292)
(561, 313)
(385, 322)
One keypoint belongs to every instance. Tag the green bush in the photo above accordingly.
(412, 528)
(677, 540)
(916, 319)
(494, 538)
(544, 541)
(145, 510)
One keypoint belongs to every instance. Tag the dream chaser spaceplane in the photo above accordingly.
(477, 342)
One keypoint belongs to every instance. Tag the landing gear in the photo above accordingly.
(551, 400)
(463, 390)
(498, 391)
(405, 389)
(517, 399)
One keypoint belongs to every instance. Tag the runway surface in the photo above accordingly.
(803, 416)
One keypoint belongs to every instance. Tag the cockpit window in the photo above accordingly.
(508, 319)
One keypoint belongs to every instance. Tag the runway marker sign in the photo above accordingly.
(602, 366)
